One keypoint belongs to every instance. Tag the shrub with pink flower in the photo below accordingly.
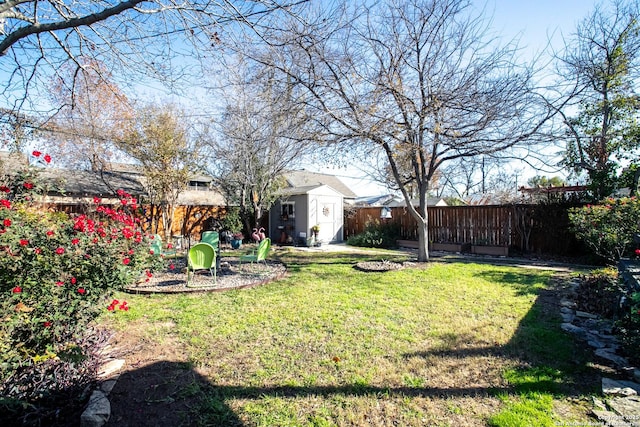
(57, 274)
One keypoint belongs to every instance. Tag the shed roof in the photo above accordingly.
(294, 191)
(304, 179)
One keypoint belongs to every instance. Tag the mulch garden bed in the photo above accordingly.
(231, 275)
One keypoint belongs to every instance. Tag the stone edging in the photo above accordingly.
(98, 410)
(203, 289)
(621, 405)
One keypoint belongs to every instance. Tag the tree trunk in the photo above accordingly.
(168, 211)
(423, 239)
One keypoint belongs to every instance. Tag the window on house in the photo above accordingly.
(198, 185)
(288, 210)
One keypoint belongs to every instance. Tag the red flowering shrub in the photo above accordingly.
(608, 228)
(57, 274)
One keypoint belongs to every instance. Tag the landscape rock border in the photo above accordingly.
(98, 410)
(621, 404)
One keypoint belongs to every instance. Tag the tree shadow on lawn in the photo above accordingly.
(173, 393)
(549, 359)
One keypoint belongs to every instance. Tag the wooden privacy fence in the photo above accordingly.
(188, 221)
(542, 229)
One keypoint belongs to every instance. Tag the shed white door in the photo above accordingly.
(326, 216)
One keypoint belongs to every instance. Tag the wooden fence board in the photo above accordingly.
(548, 226)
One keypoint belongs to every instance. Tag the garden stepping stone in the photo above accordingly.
(609, 355)
(621, 406)
(627, 408)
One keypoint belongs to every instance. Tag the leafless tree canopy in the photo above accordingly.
(152, 38)
(416, 80)
(262, 132)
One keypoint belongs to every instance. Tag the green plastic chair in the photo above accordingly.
(259, 254)
(157, 247)
(211, 237)
(201, 256)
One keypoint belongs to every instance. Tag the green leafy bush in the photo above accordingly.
(376, 235)
(57, 273)
(629, 328)
(608, 228)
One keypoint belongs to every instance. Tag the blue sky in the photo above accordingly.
(535, 20)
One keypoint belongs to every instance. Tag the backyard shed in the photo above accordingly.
(300, 208)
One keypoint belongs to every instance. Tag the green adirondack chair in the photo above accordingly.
(201, 256)
(211, 237)
(259, 254)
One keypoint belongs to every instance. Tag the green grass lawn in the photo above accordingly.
(450, 344)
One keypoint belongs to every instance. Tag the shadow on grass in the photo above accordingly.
(522, 282)
(171, 393)
(549, 359)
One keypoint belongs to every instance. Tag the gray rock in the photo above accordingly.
(595, 343)
(598, 404)
(627, 408)
(567, 304)
(97, 412)
(631, 384)
(608, 418)
(585, 315)
(619, 388)
(612, 357)
(107, 386)
(573, 329)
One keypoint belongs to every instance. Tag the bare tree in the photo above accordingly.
(262, 132)
(93, 116)
(495, 179)
(417, 78)
(139, 38)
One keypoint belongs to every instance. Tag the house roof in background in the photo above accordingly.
(304, 178)
(134, 169)
(201, 198)
(80, 183)
(373, 201)
(125, 168)
(431, 201)
(394, 201)
(12, 160)
(86, 184)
